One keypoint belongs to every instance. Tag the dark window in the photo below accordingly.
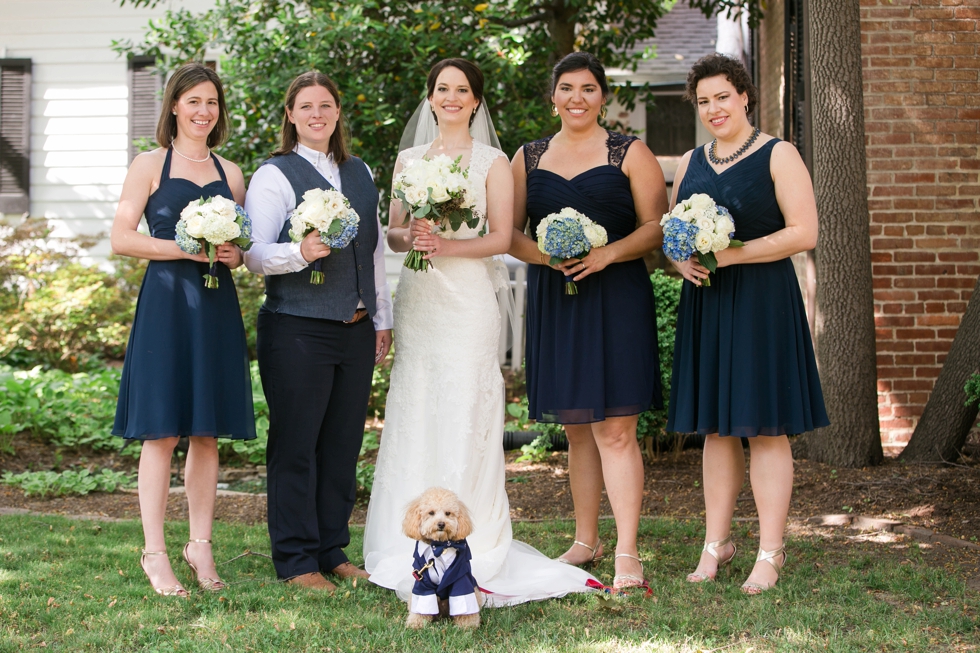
(671, 125)
(15, 135)
(144, 104)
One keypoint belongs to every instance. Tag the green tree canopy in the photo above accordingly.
(379, 54)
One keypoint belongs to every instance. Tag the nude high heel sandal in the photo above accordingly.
(594, 560)
(770, 557)
(711, 548)
(206, 584)
(173, 590)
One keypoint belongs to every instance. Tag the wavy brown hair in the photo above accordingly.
(721, 64)
(184, 79)
(474, 76)
(287, 134)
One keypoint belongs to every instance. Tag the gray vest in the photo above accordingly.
(348, 274)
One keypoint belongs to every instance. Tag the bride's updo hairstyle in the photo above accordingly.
(474, 76)
(575, 62)
(287, 135)
(716, 64)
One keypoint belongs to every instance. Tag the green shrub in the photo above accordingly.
(972, 389)
(67, 410)
(250, 451)
(69, 482)
(364, 474)
(667, 292)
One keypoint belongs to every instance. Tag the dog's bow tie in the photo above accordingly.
(439, 547)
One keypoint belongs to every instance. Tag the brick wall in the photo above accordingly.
(920, 60)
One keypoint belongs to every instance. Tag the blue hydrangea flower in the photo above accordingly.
(679, 239)
(565, 238)
(185, 242)
(343, 238)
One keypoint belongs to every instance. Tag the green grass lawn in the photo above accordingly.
(74, 585)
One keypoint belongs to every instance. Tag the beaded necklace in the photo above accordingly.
(739, 152)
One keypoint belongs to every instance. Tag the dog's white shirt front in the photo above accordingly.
(429, 604)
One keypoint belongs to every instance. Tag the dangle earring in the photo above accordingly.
(434, 116)
(473, 115)
(602, 112)
(554, 111)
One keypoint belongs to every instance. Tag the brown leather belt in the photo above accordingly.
(359, 315)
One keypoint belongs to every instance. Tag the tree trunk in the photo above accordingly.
(845, 329)
(561, 26)
(947, 420)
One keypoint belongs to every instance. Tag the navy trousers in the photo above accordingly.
(316, 375)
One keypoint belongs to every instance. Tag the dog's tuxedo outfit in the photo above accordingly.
(442, 571)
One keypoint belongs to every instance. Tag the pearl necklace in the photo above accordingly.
(190, 159)
(713, 149)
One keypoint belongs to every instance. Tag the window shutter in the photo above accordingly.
(144, 102)
(15, 135)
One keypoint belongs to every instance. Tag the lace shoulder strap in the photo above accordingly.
(618, 144)
(412, 153)
(482, 158)
(533, 152)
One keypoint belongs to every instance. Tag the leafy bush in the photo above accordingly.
(380, 383)
(667, 292)
(250, 451)
(972, 389)
(68, 410)
(69, 482)
(364, 475)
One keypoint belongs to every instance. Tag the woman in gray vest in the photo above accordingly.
(317, 344)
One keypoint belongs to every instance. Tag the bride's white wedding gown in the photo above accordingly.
(444, 422)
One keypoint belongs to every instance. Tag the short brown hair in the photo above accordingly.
(287, 135)
(721, 64)
(184, 79)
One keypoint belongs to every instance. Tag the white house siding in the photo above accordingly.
(79, 103)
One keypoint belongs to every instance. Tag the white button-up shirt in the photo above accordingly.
(269, 201)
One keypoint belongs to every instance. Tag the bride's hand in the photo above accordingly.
(419, 228)
(435, 246)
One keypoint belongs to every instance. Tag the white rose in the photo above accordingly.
(596, 235)
(719, 242)
(724, 225)
(195, 226)
(703, 241)
(416, 196)
(701, 202)
(440, 194)
(678, 210)
(705, 223)
(223, 207)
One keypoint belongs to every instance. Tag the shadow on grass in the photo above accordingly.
(76, 585)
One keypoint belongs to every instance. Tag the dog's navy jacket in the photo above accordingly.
(454, 582)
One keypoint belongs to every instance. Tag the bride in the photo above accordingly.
(444, 417)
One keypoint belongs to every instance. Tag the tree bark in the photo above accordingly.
(947, 420)
(845, 329)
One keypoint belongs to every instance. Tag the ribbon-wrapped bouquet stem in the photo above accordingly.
(436, 190)
(569, 234)
(699, 226)
(330, 213)
(211, 222)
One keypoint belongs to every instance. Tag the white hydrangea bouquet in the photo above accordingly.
(436, 190)
(211, 222)
(330, 213)
(699, 226)
(568, 234)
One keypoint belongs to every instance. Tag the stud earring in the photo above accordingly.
(554, 111)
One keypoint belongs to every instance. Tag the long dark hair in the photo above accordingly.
(474, 76)
(184, 79)
(287, 134)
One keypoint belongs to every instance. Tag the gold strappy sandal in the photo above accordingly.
(711, 548)
(626, 581)
(594, 560)
(206, 584)
(770, 557)
(173, 590)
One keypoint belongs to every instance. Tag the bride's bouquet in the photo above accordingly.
(699, 226)
(569, 234)
(330, 213)
(436, 190)
(211, 222)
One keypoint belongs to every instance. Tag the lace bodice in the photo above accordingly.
(617, 144)
(481, 159)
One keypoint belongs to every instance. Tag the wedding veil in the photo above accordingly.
(422, 129)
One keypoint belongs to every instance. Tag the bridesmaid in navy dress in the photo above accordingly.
(186, 368)
(743, 358)
(592, 361)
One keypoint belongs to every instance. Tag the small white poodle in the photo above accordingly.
(444, 584)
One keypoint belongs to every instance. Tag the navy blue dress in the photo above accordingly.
(186, 368)
(592, 355)
(743, 358)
